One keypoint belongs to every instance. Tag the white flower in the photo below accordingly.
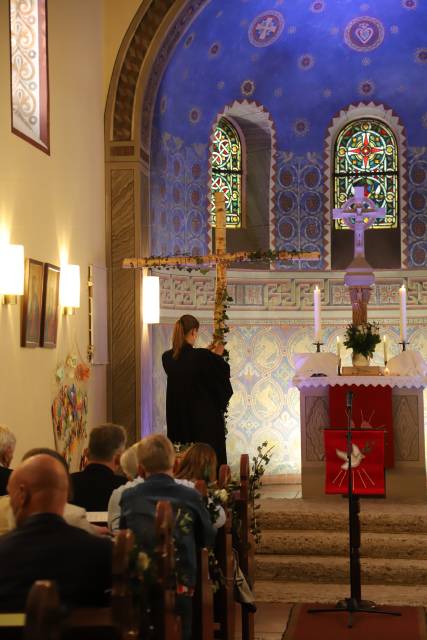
(143, 561)
(222, 495)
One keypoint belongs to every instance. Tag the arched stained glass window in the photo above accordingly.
(366, 154)
(227, 172)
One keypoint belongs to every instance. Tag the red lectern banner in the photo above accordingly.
(367, 461)
(372, 409)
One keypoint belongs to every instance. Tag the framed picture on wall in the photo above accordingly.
(32, 303)
(50, 306)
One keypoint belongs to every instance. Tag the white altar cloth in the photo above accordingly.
(399, 382)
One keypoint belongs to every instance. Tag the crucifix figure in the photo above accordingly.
(221, 259)
(359, 214)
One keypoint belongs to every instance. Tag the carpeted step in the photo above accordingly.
(332, 513)
(335, 543)
(273, 591)
(332, 569)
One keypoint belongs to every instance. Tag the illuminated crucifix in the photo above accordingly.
(221, 259)
(359, 213)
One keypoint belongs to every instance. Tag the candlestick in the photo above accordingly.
(317, 320)
(338, 348)
(385, 350)
(403, 319)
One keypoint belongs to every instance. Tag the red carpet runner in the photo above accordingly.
(366, 626)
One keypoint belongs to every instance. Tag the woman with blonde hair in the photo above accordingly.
(198, 389)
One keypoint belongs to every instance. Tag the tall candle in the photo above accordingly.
(403, 327)
(317, 321)
(338, 348)
(385, 349)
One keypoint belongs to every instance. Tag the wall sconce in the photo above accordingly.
(11, 272)
(69, 288)
(150, 299)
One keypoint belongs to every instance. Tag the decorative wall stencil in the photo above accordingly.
(70, 409)
(405, 427)
(364, 33)
(266, 28)
(29, 69)
(265, 406)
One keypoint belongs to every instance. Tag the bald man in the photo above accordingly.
(44, 546)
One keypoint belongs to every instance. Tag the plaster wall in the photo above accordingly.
(53, 205)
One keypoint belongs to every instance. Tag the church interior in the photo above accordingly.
(121, 121)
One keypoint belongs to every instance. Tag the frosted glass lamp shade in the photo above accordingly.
(151, 299)
(11, 270)
(69, 286)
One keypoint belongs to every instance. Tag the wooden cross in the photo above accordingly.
(221, 259)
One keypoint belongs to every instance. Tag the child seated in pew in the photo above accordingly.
(199, 462)
(193, 528)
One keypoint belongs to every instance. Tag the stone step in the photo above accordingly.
(290, 592)
(335, 543)
(332, 515)
(332, 569)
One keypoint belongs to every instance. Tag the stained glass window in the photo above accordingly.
(366, 154)
(227, 172)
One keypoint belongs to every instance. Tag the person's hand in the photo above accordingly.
(217, 347)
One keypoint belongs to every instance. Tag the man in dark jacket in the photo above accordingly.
(44, 546)
(92, 488)
(193, 526)
(7, 449)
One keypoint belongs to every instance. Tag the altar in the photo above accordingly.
(406, 479)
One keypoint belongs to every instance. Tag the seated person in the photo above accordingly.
(93, 487)
(156, 457)
(44, 547)
(129, 466)
(74, 515)
(7, 449)
(199, 462)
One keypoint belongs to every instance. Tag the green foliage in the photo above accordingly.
(259, 463)
(362, 338)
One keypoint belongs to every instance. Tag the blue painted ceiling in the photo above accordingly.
(303, 60)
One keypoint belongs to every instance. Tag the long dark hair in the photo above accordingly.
(183, 325)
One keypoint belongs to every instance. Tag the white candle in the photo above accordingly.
(338, 347)
(385, 349)
(403, 327)
(317, 322)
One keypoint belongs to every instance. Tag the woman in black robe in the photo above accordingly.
(198, 389)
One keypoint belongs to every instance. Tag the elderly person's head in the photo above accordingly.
(7, 446)
(129, 462)
(156, 454)
(38, 485)
(106, 444)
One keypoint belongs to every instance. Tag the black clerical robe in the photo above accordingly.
(198, 391)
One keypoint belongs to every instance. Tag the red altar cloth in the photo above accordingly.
(367, 461)
(372, 409)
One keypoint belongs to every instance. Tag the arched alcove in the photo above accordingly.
(258, 135)
(383, 247)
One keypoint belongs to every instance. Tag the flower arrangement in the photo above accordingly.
(362, 338)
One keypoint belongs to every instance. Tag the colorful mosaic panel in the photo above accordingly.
(265, 405)
(366, 155)
(226, 163)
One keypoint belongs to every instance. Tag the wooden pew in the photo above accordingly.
(166, 622)
(203, 616)
(224, 597)
(245, 543)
